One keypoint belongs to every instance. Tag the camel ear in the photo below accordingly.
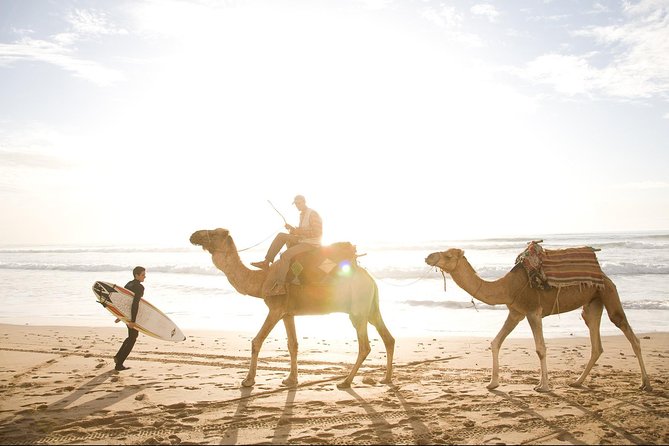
(458, 252)
(221, 232)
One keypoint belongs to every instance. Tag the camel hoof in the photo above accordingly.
(289, 382)
(492, 386)
(344, 385)
(646, 387)
(542, 389)
(248, 383)
(575, 384)
(386, 381)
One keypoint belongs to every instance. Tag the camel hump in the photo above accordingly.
(322, 265)
(340, 251)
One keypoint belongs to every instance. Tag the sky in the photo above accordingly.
(139, 122)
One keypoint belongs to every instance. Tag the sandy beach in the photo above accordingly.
(59, 387)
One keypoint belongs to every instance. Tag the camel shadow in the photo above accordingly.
(36, 426)
(595, 415)
(559, 433)
(230, 436)
(380, 425)
(283, 427)
(420, 431)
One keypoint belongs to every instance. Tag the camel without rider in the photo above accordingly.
(513, 290)
(356, 294)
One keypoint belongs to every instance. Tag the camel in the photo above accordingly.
(357, 294)
(513, 290)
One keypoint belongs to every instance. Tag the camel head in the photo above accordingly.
(211, 239)
(446, 260)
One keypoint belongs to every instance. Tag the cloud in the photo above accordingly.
(637, 51)
(486, 10)
(60, 56)
(92, 23)
(60, 51)
(448, 18)
(570, 75)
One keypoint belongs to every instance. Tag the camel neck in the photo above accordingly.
(491, 293)
(240, 277)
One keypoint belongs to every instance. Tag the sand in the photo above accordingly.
(58, 386)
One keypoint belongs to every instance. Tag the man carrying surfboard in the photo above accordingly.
(135, 285)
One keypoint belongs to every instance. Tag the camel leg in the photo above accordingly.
(511, 321)
(270, 321)
(388, 341)
(616, 314)
(538, 332)
(592, 315)
(360, 325)
(289, 323)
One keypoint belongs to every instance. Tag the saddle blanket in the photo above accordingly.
(560, 268)
(322, 265)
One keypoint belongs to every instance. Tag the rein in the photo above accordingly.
(403, 284)
(259, 243)
(245, 249)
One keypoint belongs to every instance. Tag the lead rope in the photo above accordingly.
(259, 243)
(395, 284)
(479, 288)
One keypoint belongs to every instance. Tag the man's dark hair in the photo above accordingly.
(138, 270)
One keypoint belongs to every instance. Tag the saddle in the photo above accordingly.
(322, 265)
(558, 268)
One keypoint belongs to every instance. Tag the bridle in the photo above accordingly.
(443, 274)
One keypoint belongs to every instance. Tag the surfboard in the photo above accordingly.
(150, 320)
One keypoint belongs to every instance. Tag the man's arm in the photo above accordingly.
(134, 308)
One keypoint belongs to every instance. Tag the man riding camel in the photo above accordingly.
(303, 238)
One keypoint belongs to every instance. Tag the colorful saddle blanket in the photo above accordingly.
(322, 265)
(561, 267)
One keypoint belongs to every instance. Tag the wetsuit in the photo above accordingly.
(136, 287)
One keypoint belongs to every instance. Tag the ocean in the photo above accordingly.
(51, 285)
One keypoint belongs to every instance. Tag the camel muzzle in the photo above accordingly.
(197, 238)
(432, 259)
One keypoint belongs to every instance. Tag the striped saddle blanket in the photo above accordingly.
(560, 268)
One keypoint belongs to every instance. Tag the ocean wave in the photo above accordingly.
(633, 269)
(381, 273)
(95, 250)
(550, 241)
(454, 305)
(170, 269)
(646, 305)
(459, 305)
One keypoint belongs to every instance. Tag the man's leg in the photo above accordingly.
(125, 349)
(281, 239)
(284, 263)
